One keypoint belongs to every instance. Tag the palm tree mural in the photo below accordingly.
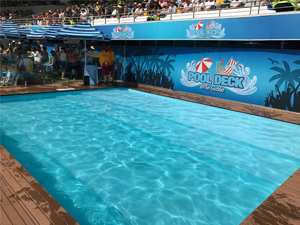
(146, 65)
(167, 64)
(285, 75)
(289, 98)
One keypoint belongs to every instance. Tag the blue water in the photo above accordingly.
(121, 156)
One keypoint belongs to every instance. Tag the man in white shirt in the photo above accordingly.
(37, 58)
(139, 10)
(236, 4)
(188, 7)
(172, 7)
(209, 4)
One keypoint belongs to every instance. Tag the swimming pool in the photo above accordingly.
(119, 156)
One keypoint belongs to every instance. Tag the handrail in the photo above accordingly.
(253, 9)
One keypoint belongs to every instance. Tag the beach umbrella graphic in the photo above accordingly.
(203, 65)
(199, 25)
(118, 29)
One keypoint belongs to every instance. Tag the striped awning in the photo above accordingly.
(46, 32)
(12, 30)
(82, 31)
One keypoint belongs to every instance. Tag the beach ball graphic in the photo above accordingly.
(199, 25)
(203, 65)
(118, 29)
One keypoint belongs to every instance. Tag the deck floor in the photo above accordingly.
(25, 201)
(282, 207)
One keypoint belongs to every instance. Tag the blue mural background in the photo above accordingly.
(270, 67)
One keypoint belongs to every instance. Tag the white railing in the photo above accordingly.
(249, 9)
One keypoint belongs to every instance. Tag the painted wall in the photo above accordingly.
(247, 76)
(279, 26)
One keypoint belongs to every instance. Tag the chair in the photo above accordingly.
(5, 79)
(13, 80)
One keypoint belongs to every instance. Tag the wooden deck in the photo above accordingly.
(23, 200)
(282, 207)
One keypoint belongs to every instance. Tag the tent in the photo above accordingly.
(83, 31)
(9, 29)
(46, 32)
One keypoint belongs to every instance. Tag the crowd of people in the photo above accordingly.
(73, 14)
(65, 61)
(18, 14)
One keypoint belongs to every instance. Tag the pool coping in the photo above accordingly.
(23, 198)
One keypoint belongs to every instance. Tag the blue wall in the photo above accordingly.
(246, 28)
(252, 80)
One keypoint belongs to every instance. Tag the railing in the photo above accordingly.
(249, 9)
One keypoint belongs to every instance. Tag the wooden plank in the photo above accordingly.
(19, 206)
(60, 211)
(3, 217)
(10, 211)
(22, 194)
(281, 207)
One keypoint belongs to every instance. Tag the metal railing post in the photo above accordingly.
(251, 8)
(194, 12)
(259, 7)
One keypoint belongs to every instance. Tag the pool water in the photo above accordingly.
(121, 156)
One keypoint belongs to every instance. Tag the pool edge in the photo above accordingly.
(281, 207)
(24, 198)
(271, 113)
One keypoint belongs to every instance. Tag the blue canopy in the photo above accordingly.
(82, 31)
(12, 30)
(46, 32)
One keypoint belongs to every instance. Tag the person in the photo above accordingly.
(139, 10)
(127, 12)
(103, 61)
(181, 4)
(77, 53)
(209, 4)
(115, 12)
(53, 61)
(111, 62)
(188, 7)
(236, 4)
(1, 47)
(63, 57)
(71, 61)
(89, 58)
(156, 6)
(82, 60)
(164, 4)
(37, 58)
(55, 46)
(172, 8)
(44, 54)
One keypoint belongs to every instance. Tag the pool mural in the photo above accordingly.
(262, 77)
(267, 78)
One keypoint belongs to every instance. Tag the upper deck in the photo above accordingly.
(248, 23)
